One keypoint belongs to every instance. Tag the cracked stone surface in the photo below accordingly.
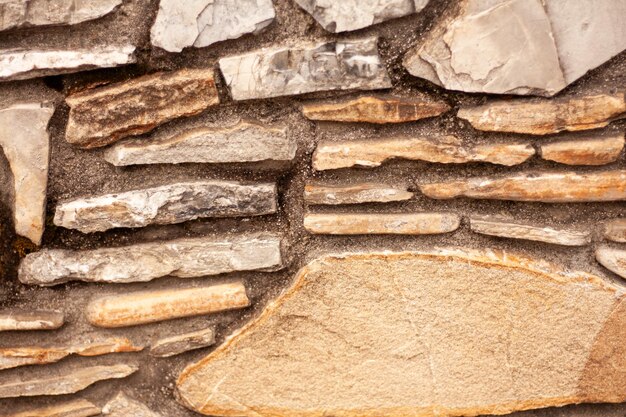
(486, 45)
(305, 68)
(381, 223)
(354, 194)
(175, 345)
(516, 230)
(74, 408)
(200, 23)
(615, 230)
(123, 406)
(451, 332)
(612, 259)
(31, 320)
(592, 150)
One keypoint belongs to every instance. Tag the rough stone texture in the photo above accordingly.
(612, 259)
(178, 344)
(615, 230)
(243, 142)
(157, 305)
(379, 109)
(304, 68)
(542, 116)
(185, 258)
(366, 192)
(443, 149)
(381, 223)
(168, 204)
(31, 320)
(515, 230)
(550, 187)
(23, 64)
(346, 15)
(487, 45)
(595, 150)
(201, 23)
(75, 408)
(64, 382)
(123, 406)
(24, 141)
(450, 332)
(101, 116)
(25, 13)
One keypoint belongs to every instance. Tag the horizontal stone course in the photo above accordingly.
(594, 150)
(381, 223)
(175, 345)
(366, 192)
(22, 319)
(516, 230)
(73, 408)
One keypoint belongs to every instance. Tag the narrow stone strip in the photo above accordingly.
(597, 150)
(31, 320)
(178, 344)
(503, 228)
(366, 192)
(612, 259)
(123, 406)
(378, 223)
(615, 230)
(75, 408)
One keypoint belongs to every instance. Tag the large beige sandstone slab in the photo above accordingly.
(549, 187)
(106, 114)
(615, 230)
(516, 230)
(595, 150)
(31, 320)
(423, 334)
(175, 345)
(612, 259)
(381, 223)
(366, 192)
(123, 406)
(75, 408)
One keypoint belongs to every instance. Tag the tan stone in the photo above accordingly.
(545, 116)
(31, 320)
(550, 187)
(597, 150)
(375, 109)
(75, 408)
(381, 223)
(134, 308)
(366, 192)
(444, 333)
(615, 230)
(178, 344)
(515, 230)
(612, 259)
(123, 406)
(445, 149)
(104, 115)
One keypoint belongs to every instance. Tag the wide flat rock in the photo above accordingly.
(30, 320)
(592, 150)
(615, 230)
(612, 259)
(516, 230)
(175, 345)
(366, 192)
(449, 332)
(123, 406)
(75, 408)
(381, 223)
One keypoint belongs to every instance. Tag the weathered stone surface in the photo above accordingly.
(515, 230)
(615, 230)
(444, 149)
(346, 15)
(31, 320)
(552, 187)
(243, 142)
(14, 357)
(595, 150)
(22, 64)
(379, 109)
(304, 68)
(67, 381)
(75, 408)
(612, 259)
(106, 114)
(381, 223)
(542, 116)
(24, 140)
(178, 344)
(123, 406)
(203, 22)
(190, 257)
(152, 306)
(487, 45)
(366, 192)
(168, 204)
(24, 13)
(450, 332)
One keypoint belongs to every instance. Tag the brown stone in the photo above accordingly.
(104, 115)
(585, 151)
(545, 116)
(366, 192)
(515, 230)
(612, 259)
(381, 223)
(443, 333)
(75, 408)
(181, 343)
(123, 406)
(31, 320)
(615, 230)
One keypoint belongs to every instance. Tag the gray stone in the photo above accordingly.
(612, 259)
(75, 408)
(381, 223)
(201, 23)
(366, 192)
(184, 258)
(243, 142)
(615, 230)
(304, 68)
(515, 230)
(123, 406)
(174, 203)
(178, 344)
(31, 320)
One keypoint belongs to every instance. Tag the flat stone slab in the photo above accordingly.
(615, 230)
(175, 345)
(381, 223)
(24, 141)
(515, 230)
(143, 307)
(31, 320)
(184, 258)
(593, 150)
(75, 408)
(103, 115)
(243, 142)
(612, 259)
(123, 406)
(366, 192)
(450, 332)
(167, 204)
(305, 68)
(549, 187)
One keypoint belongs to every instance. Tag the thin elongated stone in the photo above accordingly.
(123, 406)
(178, 344)
(612, 259)
(21, 356)
(375, 109)
(24, 141)
(440, 333)
(243, 142)
(304, 68)
(542, 116)
(143, 307)
(106, 114)
(381, 223)
(515, 230)
(22, 64)
(354, 194)
(185, 258)
(585, 151)
(67, 381)
(615, 230)
(168, 204)
(31, 320)
(75, 408)
(552, 187)
(445, 149)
